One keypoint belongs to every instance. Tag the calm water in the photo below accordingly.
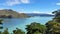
(21, 23)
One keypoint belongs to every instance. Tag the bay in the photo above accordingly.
(21, 23)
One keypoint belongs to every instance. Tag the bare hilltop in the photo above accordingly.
(9, 13)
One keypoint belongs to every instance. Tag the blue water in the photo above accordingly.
(21, 23)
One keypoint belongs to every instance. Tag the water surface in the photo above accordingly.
(21, 23)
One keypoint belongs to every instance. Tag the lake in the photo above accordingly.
(21, 23)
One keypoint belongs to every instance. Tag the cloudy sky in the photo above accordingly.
(30, 6)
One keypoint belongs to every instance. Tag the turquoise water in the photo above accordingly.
(21, 23)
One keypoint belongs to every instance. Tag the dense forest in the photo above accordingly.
(51, 27)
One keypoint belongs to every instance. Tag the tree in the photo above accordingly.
(35, 28)
(1, 21)
(53, 26)
(18, 31)
(57, 13)
(5, 31)
(57, 16)
(1, 27)
(0, 32)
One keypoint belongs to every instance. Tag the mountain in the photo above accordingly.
(8, 13)
(37, 14)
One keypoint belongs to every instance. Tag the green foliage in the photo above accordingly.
(1, 27)
(53, 26)
(1, 21)
(0, 32)
(34, 27)
(57, 16)
(5, 31)
(57, 13)
(57, 19)
(37, 32)
(18, 31)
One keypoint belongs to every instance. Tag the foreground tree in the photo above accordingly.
(18, 31)
(0, 32)
(57, 13)
(53, 26)
(57, 16)
(35, 28)
(5, 31)
(1, 20)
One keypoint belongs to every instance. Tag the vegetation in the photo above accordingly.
(18, 31)
(1, 27)
(5, 31)
(53, 26)
(35, 28)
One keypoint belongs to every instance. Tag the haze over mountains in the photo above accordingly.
(39, 14)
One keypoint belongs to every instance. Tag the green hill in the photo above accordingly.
(8, 13)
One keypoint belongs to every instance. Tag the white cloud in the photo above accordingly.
(41, 12)
(47, 13)
(57, 3)
(25, 1)
(36, 12)
(15, 2)
(11, 3)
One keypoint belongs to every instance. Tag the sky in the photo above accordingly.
(31, 6)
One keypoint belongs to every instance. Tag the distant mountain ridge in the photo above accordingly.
(35, 14)
(8, 12)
